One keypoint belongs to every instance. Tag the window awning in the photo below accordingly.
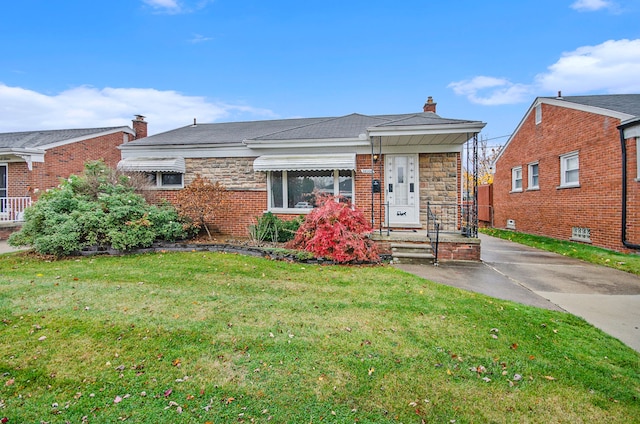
(152, 165)
(305, 162)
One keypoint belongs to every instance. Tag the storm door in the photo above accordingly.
(402, 190)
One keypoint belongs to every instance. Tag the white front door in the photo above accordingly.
(402, 190)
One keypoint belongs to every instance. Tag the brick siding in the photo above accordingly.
(553, 211)
(61, 162)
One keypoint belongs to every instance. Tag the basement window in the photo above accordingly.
(581, 234)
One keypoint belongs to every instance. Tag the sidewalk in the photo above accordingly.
(606, 298)
(5, 248)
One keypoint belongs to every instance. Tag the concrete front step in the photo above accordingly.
(412, 253)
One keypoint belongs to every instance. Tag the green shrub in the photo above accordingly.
(270, 228)
(96, 209)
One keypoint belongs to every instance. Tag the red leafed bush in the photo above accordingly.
(336, 231)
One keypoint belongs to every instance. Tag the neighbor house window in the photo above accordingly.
(533, 176)
(538, 113)
(300, 190)
(569, 170)
(516, 179)
(165, 179)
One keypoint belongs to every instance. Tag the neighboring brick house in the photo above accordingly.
(32, 162)
(280, 165)
(570, 171)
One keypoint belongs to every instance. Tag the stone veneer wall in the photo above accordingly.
(439, 182)
(233, 173)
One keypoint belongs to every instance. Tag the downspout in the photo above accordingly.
(624, 191)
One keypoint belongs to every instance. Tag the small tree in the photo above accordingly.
(336, 231)
(201, 202)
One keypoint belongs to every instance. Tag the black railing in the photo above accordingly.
(433, 229)
(454, 218)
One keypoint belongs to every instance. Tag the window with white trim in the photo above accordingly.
(298, 190)
(538, 111)
(532, 176)
(165, 179)
(516, 178)
(569, 170)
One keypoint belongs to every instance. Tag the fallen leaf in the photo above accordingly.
(517, 377)
(371, 370)
(9, 382)
(118, 399)
(548, 377)
(168, 392)
(514, 346)
(486, 379)
(42, 338)
(176, 362)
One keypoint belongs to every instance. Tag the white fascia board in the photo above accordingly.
(191, 152)
(36, 155)
(124, 129)
(632, 132)
(584, 108)
(306, 143)
(474, 127)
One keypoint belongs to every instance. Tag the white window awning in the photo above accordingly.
(305, 162)
(152, 165)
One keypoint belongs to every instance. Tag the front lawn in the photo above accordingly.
(208, 337)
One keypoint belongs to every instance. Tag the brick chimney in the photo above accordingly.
(139, 127)
(430, 106)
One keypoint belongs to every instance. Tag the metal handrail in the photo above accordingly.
(432, 218)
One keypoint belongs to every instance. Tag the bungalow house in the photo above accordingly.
(570, 171)
(33, 161)
(389, 166)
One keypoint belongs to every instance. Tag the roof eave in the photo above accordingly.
(467, 127)
(363, 140)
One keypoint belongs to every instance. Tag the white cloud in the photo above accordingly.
(199, 38)
(174, 7)
(165, 5)
(89, 107)
(491, 91)
(611, 67)
(592, 5)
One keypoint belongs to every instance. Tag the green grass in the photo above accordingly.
(207, 337)
(596, 255)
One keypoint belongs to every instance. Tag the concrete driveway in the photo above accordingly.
(606, 298)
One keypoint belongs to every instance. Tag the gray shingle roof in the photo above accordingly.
(347, 127)
(34, 139)
(625, 103)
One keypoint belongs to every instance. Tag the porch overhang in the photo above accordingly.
(176, 165)
(22, 155)
(305, 162)
(427, 135)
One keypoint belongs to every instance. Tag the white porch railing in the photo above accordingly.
(12, 208)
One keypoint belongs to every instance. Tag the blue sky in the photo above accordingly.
(73, 64)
